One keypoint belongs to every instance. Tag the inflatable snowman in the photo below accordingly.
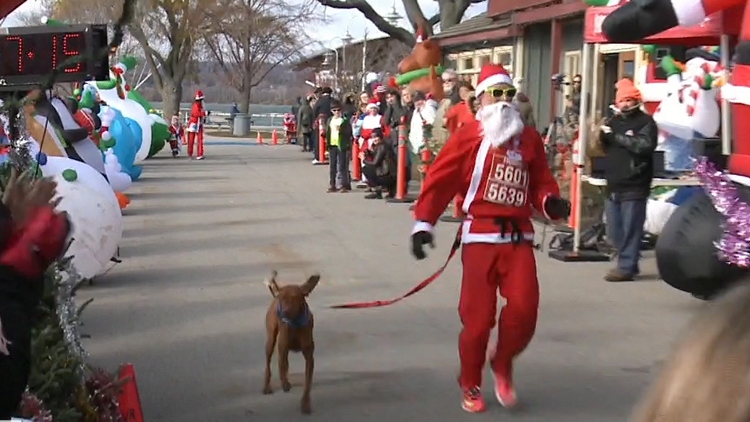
(114, 94)
(691, 110)
(93, 209)
(118, 179)
(128, 142)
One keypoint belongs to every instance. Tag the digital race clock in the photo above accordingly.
(28, 55)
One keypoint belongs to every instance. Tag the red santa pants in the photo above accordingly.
(487, 268)
(193, 138)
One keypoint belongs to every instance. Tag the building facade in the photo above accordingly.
(534, 39)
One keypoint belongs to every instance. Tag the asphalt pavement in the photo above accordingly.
(187, 304)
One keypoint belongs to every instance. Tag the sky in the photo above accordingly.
(338, 22)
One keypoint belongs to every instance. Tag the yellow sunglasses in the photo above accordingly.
(502, 92)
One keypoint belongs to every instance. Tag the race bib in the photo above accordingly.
(508, 181)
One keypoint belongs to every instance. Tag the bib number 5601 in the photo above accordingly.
(505, 195)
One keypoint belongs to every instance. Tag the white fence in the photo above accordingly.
(223, 121)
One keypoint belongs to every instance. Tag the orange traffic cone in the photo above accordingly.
(275, 137)
(259, 139)
(129, 399)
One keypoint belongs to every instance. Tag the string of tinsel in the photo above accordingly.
(734, 245)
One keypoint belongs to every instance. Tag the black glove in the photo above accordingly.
(418, 240)
(557, 208)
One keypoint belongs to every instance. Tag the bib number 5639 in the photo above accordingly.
(506, 195)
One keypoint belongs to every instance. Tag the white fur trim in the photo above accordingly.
(736, 94)
(476, 174)
(371, 122)
(689, 12)
(497, 238)
(492, 80)
(422, 226)
(743, 180)
(372, 105)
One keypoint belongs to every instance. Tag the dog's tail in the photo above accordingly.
(271, 284)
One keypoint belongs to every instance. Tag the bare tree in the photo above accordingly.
(450, 13)
(382, 56)
(254, 37)
(33, 17)
(94, 12)
(167, 30)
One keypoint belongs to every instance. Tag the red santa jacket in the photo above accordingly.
(177, 132)
(504, 181)
(197, 114)
(370, 123)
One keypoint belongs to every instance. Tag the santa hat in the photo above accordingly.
(198, 95)
(492, 74)
(373, 103)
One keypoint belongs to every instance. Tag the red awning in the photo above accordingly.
(706, 33)
(8, 6)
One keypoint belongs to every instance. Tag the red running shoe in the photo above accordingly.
(472, 401)
(504, 391)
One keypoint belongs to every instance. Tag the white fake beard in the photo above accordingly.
(500, 122)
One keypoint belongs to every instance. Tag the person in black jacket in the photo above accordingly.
(380, 166)
(629, 141)
(32, 236)
(322, 108)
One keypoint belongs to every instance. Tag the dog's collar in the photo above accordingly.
(300, 321)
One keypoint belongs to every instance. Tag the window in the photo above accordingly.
(468, 63)
(628, 69)
(481, 61)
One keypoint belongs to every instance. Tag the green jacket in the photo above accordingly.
(346, 136)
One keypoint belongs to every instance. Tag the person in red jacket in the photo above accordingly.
(177, 135)
(195, 126)
(501, 168)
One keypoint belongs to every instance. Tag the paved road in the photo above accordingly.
(187, 305)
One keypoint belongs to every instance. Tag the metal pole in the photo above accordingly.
(336, 71)
(364, 60)
(726, 116)
(583, 133)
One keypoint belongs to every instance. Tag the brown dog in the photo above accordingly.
(290, 321)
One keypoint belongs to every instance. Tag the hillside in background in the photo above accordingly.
(281, 86)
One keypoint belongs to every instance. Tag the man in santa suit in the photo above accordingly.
(195, 126)
(500, 167)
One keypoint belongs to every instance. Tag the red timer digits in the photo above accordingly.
(39, 54)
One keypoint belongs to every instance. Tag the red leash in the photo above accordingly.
(426, 282)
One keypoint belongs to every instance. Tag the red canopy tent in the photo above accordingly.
(8, 6)
(714, 30)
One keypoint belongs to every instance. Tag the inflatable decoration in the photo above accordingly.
(113, 93)
(93, 208)
(705, 245)
(128, 142)
(691, 110)
(118, 179)
(421, 69)
(51, 124)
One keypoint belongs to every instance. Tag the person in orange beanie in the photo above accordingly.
(629, 141)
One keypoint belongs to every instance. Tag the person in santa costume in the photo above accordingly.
(178, 134)
(500, 167)
(372, 120)
(195, 126)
